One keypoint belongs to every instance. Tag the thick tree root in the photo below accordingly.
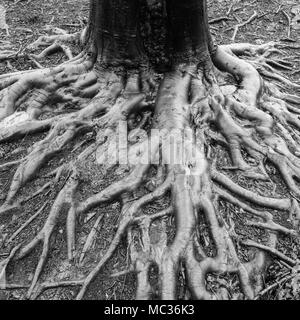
(58, 41)
(255, 118)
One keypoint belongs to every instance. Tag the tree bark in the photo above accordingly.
(115, 38)
(189, 38)
(113, 31)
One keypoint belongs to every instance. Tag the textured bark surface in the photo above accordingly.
(172, 218)
(113, 31)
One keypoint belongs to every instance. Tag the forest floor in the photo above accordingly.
(27, 20)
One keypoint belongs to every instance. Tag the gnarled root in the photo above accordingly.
(208, 205)
(115, 97)
(58, 41)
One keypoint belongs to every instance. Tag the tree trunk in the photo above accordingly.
(189, 37)
(114, 31)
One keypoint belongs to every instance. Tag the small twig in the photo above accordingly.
(122, 273)
(37, 64)
(236, 28)
(270, 250)
(71, 25)
(53, 285)
(283, 264)
(274, 285)
(279, 9)
(13, 286)
(233, 3)
(295, 72)
(230, 168)
(91, 238)
(67, 283)
(216, 20)
(27, 223)
(4, 255)
(289, 23)
(8, 165)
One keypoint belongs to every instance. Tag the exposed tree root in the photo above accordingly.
(58, 41)
(255, 118)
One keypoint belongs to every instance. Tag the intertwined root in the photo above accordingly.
(58, 40)
(256, 119)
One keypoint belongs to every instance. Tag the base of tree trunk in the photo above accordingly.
(191, 97)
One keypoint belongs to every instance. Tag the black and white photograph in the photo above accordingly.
(149, 150)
